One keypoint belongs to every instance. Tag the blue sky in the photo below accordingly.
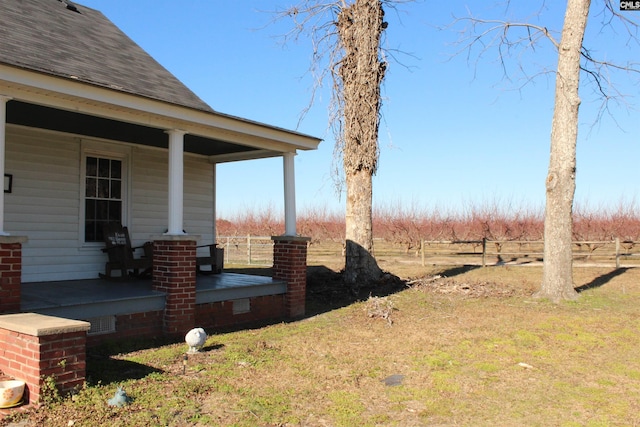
(455, 132)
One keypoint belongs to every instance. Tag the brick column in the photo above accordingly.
(37, 347)
(10, 272)
(290, 265)
(174, 272)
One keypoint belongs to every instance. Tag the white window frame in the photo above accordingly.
(105, 151)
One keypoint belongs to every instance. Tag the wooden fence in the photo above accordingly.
(258, 250)
(527, 251)
(247, 250)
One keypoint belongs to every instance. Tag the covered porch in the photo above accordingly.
(93, 298)
(134, 309)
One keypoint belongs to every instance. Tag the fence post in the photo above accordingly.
(484, 251)
(617, 252)
(227, 249)
(422, 250)
(249, 249)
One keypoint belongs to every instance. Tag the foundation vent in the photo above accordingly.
(241, 306)
(102, 325)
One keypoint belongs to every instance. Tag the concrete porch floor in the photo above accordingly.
(86, 299)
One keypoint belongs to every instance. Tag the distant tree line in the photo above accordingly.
(408, 226)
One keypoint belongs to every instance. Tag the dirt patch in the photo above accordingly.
(466, 288)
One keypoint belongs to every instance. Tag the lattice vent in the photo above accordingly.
(102, 325)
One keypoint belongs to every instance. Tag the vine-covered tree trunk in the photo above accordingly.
(557, 276)
(360, 26)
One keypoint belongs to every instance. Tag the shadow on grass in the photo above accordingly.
(108, 370)
(105, 369)
(454, 271)
(327, 290)
(601, 280)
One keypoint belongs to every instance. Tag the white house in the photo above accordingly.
(93, 129)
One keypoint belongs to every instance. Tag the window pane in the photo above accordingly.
(116, 169)
(102, 210)
(115, 211)
(100, 232)
(90, 210)
(103, 168)
(92, 187)
(92, 166)
(90, 231)
(115, 189)
(103, 188)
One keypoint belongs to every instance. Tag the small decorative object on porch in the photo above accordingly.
(120, 398)
(11, 393)
(195, 339)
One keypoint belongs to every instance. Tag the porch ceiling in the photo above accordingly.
(32, 115)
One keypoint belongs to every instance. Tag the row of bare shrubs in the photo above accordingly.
(409, 226)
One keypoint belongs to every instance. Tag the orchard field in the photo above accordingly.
(436, 237)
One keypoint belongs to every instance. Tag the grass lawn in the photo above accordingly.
(456, 346)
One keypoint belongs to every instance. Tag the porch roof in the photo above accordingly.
(68, 68)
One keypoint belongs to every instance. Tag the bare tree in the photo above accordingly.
(349, 33)
(573, 59)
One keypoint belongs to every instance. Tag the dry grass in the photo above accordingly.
(470, 347)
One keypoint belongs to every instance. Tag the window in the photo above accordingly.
(103, 199)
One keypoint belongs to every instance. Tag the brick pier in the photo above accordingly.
(174, 272)
(290, 265)
(37, 347)
(10, 272)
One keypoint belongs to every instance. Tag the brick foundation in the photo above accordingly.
(132, 326)
(290, 265)
(174, 272)
(221, 314)
(10, 272)
(36, 347)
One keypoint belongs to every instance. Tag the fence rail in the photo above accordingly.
(531, 249)
(247, 249)
(258, 250)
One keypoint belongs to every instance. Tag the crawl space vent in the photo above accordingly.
(241, 306)
(102, 325)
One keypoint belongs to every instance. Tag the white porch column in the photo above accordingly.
(176, 181)
(3, 131)
(289, 194)
(215, 213)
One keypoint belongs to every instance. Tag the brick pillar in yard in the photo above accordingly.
(38, 348)
(290, 265)
(10, 272)
(174, 272)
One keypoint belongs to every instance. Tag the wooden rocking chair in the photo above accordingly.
(122, 255)
(215, 259)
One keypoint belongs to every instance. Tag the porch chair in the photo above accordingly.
(122, 255)
(215, 259)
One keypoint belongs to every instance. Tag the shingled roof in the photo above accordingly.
(63, 39)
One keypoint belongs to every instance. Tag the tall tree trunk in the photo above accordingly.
(557, 276)
(360, 26)
(360, 265)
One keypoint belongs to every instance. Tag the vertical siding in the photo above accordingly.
(46, 173)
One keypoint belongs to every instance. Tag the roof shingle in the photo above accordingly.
(46, 36)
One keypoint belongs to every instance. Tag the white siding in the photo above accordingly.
(149, 202)
(45, 202)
